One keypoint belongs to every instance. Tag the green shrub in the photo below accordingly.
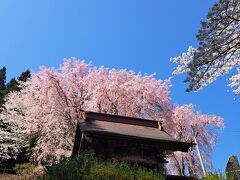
(25, 168)
(86, 167)
(215, 176)
(122, 171)
(28, 171)
(68, 169)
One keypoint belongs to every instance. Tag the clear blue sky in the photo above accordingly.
(139, 35)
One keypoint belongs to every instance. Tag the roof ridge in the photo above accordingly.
(121, 119)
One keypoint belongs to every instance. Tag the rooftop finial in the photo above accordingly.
(160, 125)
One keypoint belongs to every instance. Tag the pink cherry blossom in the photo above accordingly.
(53, 100)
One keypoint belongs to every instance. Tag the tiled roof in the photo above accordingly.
(142, 130)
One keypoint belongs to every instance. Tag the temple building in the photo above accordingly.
(136, 140)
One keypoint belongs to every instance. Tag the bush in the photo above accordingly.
(215, 176)
(68, 169)
(29, 171)
(122, 171)
(86, 167)
(25, 168)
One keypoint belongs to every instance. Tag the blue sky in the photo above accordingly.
(139, 35)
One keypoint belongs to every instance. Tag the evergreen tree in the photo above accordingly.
(2, 77)
(2, 85)
(233, 168)
(24, 76)
(13, 84)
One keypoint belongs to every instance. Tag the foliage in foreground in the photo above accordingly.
(28, 171)
(86, 167)
(215, 176)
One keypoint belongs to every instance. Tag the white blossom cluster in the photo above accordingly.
(219, 48)
(12, 135)
(184, 65)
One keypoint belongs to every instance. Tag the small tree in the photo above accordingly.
(12, 136)
(233, 168)
(11, 127)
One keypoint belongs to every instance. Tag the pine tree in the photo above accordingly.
(2, 85)
(233, 168)
(13, 84)
(24, 76)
